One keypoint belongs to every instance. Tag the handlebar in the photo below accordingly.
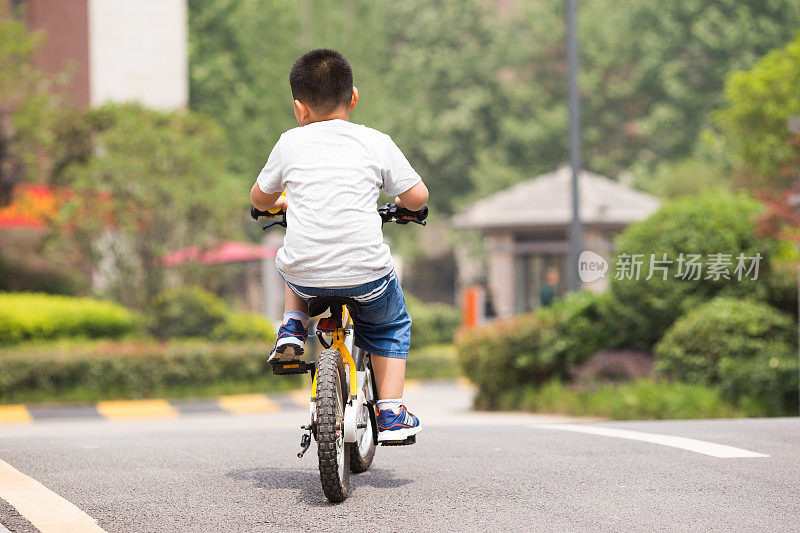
(255, 213)
(401, 215)
(387, 212)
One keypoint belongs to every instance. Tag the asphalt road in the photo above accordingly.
(467, 472)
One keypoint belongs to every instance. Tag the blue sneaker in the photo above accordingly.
(291, 340)
(397, 426)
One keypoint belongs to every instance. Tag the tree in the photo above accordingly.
(26, 107)
(422, 70)
(651, 72)
(147, 183)
(476, 96)
(754, 122)
(240, 52)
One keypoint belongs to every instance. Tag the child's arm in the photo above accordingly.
(414, 198)
(266, 201)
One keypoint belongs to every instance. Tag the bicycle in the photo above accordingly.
(343, 389)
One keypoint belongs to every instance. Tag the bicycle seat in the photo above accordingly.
(320, 304)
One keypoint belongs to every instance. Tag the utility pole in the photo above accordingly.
(576, 232)
(794, 202)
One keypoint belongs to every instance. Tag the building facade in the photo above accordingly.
(114, 50)
(526, 228)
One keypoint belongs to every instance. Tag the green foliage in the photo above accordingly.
(32, 316)
(760, 102)
(711, 223)
(435, 361)
(195, 312)
(27, 108)
(422, 70)
(240, 52)
(129, 370)
(746, 347)
(639, 400)
(146, 183)
(473, 110)
(187, 312)
(432, 323)
(242, 326)
(535, 348)
(670, 179)
(650, 74)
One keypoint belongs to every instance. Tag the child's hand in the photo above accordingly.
(398, 202)
(281, 203)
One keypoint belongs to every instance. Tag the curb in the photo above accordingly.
(237, 404)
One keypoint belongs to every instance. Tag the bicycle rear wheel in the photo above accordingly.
(363, 450)
(333, 452)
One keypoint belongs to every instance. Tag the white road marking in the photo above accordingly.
(46, 510)
(693, 445)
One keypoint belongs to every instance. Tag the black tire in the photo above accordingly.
(361, 454)
(332, 451)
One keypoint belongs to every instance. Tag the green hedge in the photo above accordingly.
(639, 400)
(243, 326)
(534, 348)
(714, 222)
(432, 323)
(126, 369)
(35, 316)
(435, 361)
(746, 347)
(188, 312)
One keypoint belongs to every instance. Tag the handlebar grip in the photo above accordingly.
(255, 213)
(420, 215)
(401, 215)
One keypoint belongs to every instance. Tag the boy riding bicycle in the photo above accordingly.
(332, 172)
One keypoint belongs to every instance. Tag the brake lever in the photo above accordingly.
(280, 222)
(407, 220)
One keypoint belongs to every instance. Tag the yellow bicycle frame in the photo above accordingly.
(339, 345)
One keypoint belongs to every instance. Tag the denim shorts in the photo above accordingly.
(382, 325)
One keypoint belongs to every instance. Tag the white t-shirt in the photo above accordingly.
(332, 172)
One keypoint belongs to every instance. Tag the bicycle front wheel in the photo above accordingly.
(332, 451)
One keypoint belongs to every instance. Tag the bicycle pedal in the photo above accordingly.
(409, 440)
(292, 367)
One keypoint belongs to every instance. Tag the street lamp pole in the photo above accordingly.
(794, 201)
(576, 233)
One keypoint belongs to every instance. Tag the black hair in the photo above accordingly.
(322, 79)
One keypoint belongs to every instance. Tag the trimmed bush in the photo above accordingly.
(127, 370)
(241, 326)
(714, 222)
(35, 316)
(613, 366)
(435, 361)
(187, 312)
(534, 348)
(746, 347)
(639, 400)
(432, 323)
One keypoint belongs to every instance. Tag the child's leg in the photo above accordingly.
(292, 334)
(390, 375)
(292, 302)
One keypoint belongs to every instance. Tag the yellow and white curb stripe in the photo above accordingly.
(242, 404)
(238, 404)
(14, 414)
(135, 409)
